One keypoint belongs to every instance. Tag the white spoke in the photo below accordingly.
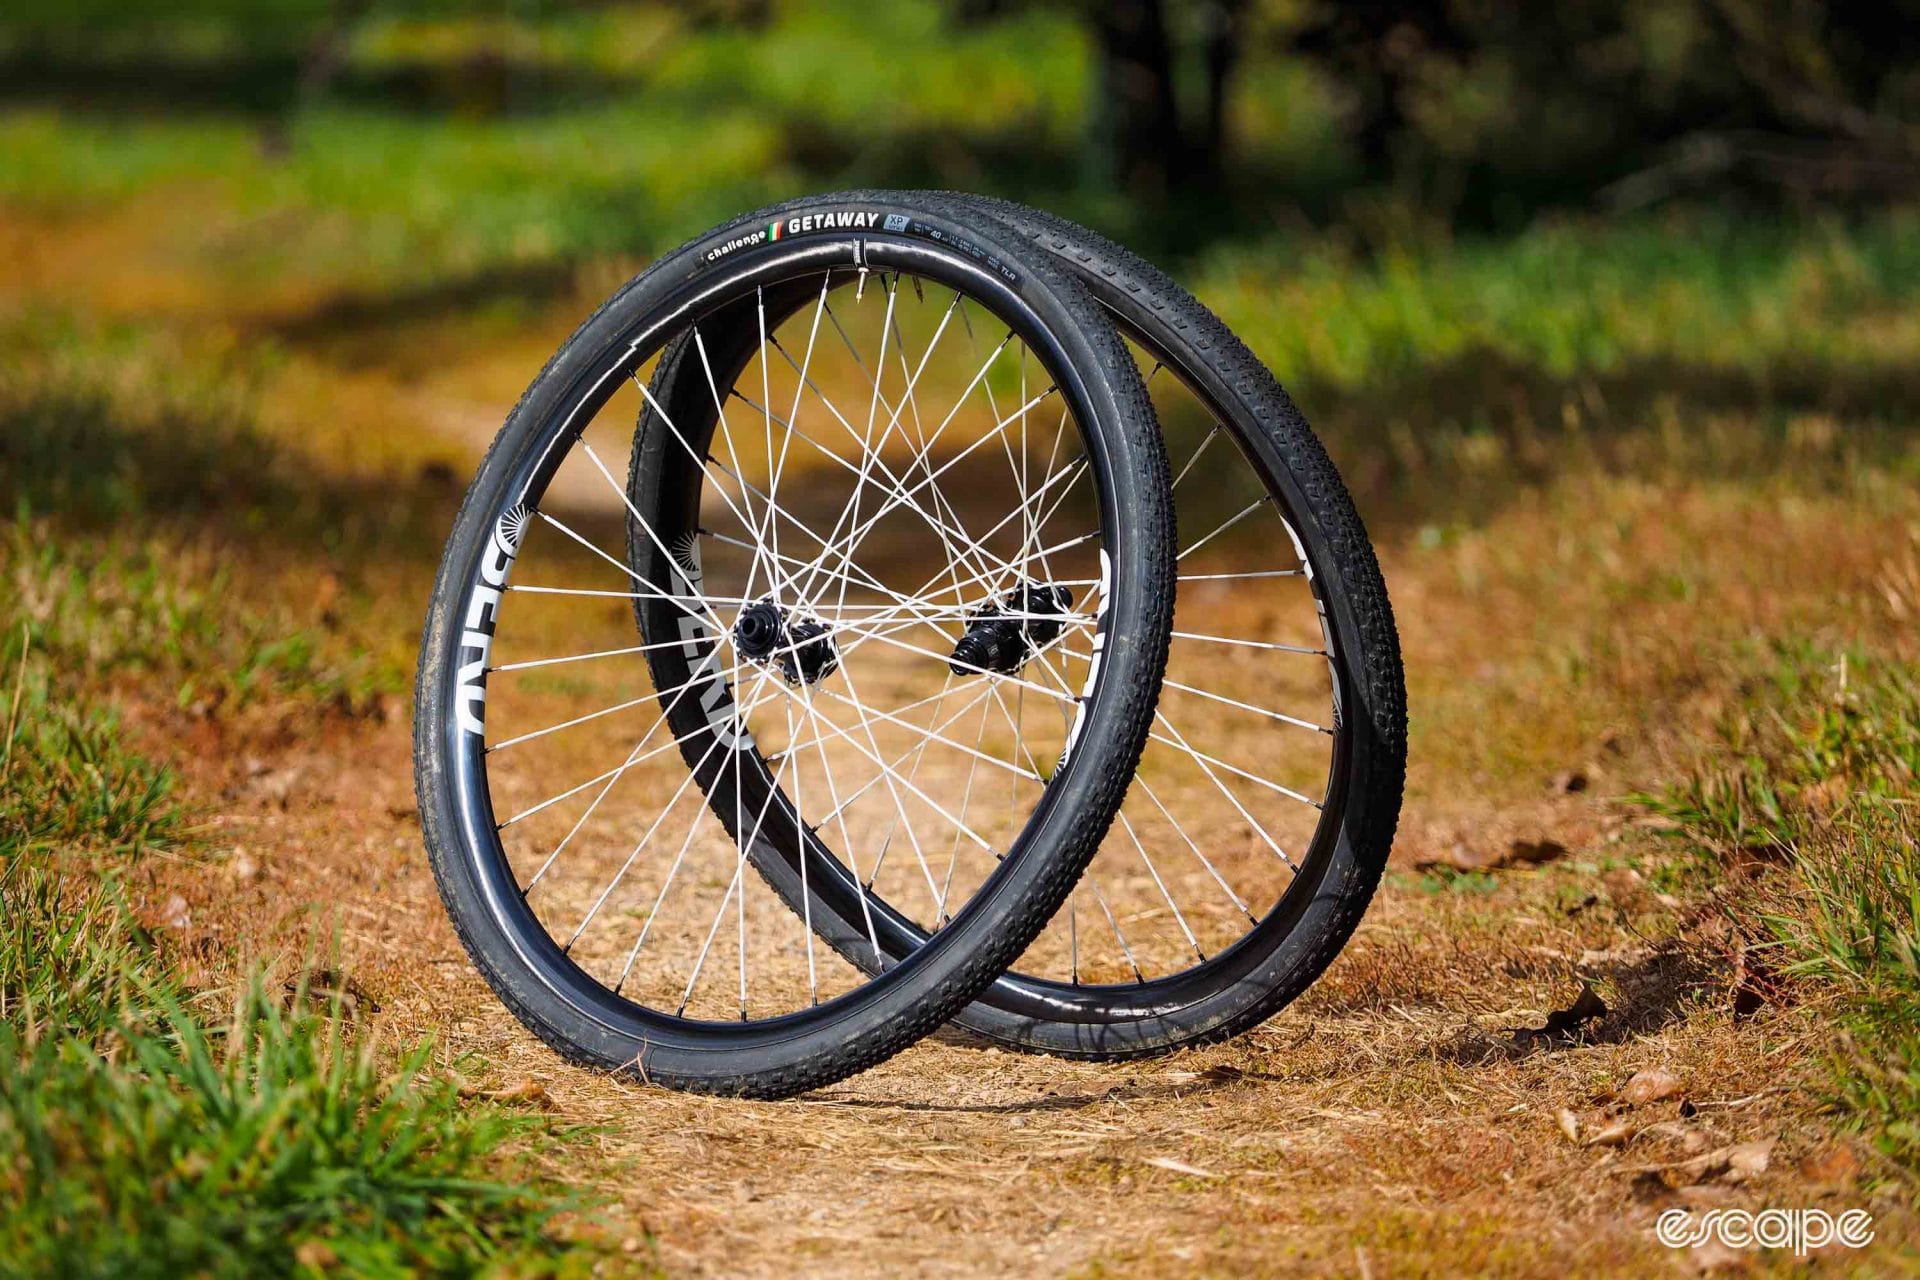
(582, 657)
(1231, 521)
(617, 707)
(1281, 716)
(1250, 644)
(1217, 763)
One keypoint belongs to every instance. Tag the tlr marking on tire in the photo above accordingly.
(483, 608)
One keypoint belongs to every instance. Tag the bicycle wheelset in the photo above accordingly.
(1260, 817)
(771, 522)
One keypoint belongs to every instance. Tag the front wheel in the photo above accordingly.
(840, 528)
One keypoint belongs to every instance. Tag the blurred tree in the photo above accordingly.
(1160, 110)
(1489, 110)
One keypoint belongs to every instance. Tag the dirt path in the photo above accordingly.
(1386, 1125)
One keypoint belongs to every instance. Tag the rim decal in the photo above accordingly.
(483, 609)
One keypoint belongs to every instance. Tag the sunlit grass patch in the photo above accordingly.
(1799, 755)
(141, 495)
(145, 1130)
(67, 780)
(1822, 777)
(266, 1143)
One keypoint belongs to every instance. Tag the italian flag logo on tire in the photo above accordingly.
(774, 231)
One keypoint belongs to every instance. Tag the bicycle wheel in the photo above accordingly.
(1264, 808)
(590, 798)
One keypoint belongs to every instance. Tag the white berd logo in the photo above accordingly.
(1798, 1230)
(470, 702)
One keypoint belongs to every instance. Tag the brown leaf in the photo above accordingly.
(1617, 1134)
(170, 914)
(317, 1254)
(1649, 1086)
(274, 787)
(1624, 885)
(1713, 1257)
(1458, 855)
(1737, 1163)
(526, 1089)
(1569, 1124)
(1565, 1024)
(1748, 1160)
(1755, 984)
(1455, 856)
(1832, 1165)
(328, 986)
(1534, 852)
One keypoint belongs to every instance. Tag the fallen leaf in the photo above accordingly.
(1177, 1166)
(323, 987)
(170, 914)
(1832, 1165)
(317, 1254)
(1617, 1134)
(1624, 885)
(1748, 1160)
(1713, 1257)
(1754, 984)
(1457, 855)
(274, 787)
(1738, 1163)
(526, 1089)
(243, 867)
(1569, 1124)
(1565, 1024)
(1649, 1086)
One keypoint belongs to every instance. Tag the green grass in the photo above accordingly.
(148, 1131)
(274, 1142)
(1821, 774)
(66, 780)
(615, 133)
(1854, 929)
(1821, 737)
(141, 491)
(1571, 297)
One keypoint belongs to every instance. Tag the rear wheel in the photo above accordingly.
(1260, 818)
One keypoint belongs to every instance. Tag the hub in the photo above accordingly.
(801, 647)
(1006, 632)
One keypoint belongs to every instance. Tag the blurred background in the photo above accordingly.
(1608, 310)
(1456, 217)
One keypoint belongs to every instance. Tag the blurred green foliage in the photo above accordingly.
(1173, 122)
